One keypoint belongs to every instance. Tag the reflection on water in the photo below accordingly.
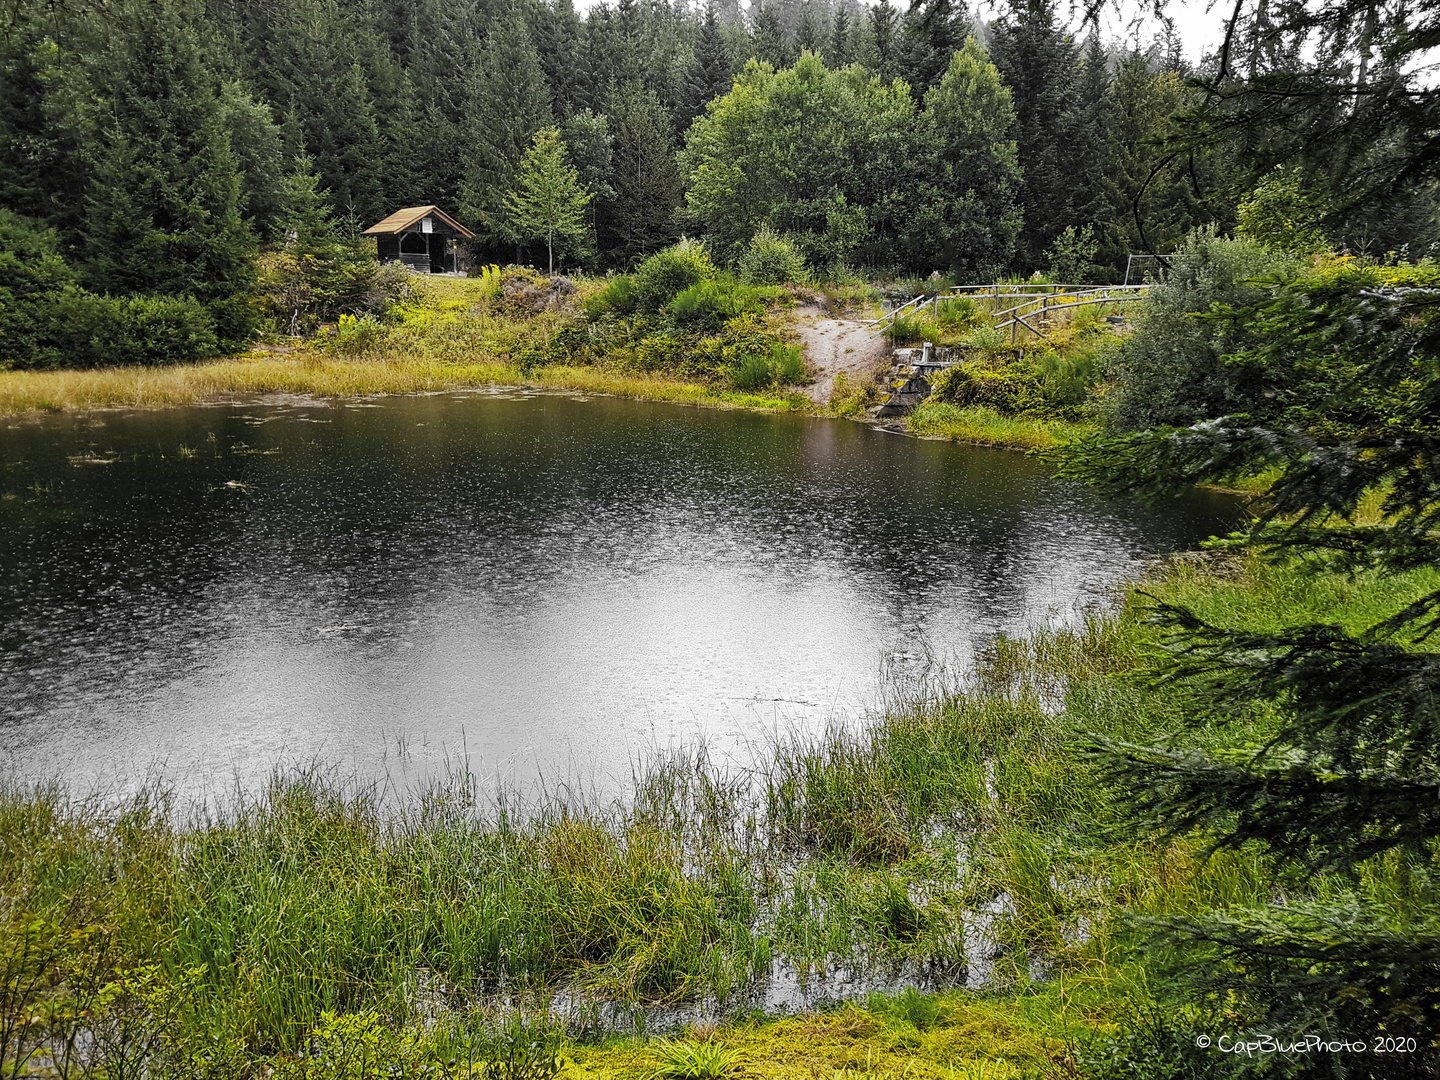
(545, 584)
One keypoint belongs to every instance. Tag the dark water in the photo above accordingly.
(543, 583)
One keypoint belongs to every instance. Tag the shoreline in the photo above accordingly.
(316, 374)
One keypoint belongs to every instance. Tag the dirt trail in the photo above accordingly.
(835, 345)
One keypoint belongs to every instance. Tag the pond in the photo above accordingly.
(538, 585)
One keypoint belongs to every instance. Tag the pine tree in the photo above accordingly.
(884, 34)
(164, 204)
(558, 42)
(933, 30)
(837, 52)
(771, 44)
(548, 199)
(510, 103)
(1339, 789)
(808, 33)
(587, 135)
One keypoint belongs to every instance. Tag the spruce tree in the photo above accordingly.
(884, 34)
(1040, 63)
(709, 74)
(640, 217)
(1339, 786)
(837, 52)
(771, 43)
(164, 202)
(932, 32)
(510, 103)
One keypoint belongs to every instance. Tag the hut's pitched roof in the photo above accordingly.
(402, 219)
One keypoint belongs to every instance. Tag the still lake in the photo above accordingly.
(542, 584)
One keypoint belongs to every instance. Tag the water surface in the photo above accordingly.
(542, 584)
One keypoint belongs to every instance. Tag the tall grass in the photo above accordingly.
(238, 928)
(987, 427)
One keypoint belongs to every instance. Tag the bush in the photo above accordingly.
(667, 273)
(154, 330)
(355, 337)
(1171, 369)
(710, 304)
(757, 371)
(1013, 390)
(617, 298)
(771, 259)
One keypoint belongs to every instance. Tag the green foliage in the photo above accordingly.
(663, 275)
(972, 115)
(771, 259)
(695, 1061)
(1171, 369)
(1280, 214)
(548, 200)
(159, 330)
(1340, 771)
(619, 297)
(920, 1011)
(830, 158)
(1013, 390)
(164, 212)
(757, 371)
(1071, 255)
(34, 282)
(710, 304)
(356, 336)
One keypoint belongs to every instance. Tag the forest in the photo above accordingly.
(158, 159)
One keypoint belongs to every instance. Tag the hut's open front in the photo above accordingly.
(422, 237)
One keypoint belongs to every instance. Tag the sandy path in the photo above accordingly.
(835, 345)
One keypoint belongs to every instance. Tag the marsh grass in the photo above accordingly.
(986, 427)
(317, 897)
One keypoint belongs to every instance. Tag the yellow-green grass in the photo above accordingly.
(325, 375)
(986, 427)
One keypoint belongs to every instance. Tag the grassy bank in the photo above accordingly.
(957, 834)
(324, 375)
(988, 427)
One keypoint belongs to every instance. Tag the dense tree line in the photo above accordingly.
(155, 136)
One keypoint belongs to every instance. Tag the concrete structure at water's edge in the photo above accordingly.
(422, 238)
(911, 373)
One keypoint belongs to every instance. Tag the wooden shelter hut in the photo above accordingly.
(421, 237)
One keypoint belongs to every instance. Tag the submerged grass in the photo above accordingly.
(312, 913)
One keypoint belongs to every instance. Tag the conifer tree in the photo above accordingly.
(709, 74)
(771, 44)
(1339, 789)
(808, 32)
(884, 32)
(932, 32)
(558, 42)
(640, 217)
(163, 212)
(510, 103)
(587, 135)
(548, 200)
(1040, 64)
(837, 52)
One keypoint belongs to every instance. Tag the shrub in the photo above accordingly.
(617, 298)
(1067, 382)
(355, 337)
(708, 305)
(957, 313)
(153, 330)
(1012, 390)
(667, 273)
(1171, 370)
(759, 371)
(771, 259)
(985, 339)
